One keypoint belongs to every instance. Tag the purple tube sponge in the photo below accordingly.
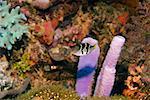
(86, 69)
(106, 78)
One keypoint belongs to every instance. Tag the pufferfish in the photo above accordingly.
(85, 49)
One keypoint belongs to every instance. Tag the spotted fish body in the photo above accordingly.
(85, 49)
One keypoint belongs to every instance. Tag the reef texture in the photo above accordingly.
(56, 28)
(5, 80)
(49, 92)
(13, 92)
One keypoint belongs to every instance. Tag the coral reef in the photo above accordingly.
(37, 53)
(23, 65)
(137, 53)
(34, 53)
(6, 81)
(15, 91)
(10, 25)
(137, 86)
(108, 20)
(45, 31)
(116, 97)
(77, 31)
(60, 52)
(138, 28)
(55, 29)
(48, 92)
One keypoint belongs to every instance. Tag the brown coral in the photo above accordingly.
(37, 52)
(134, 83)
(46, 31)
(77, 31)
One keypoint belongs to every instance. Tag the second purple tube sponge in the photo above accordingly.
(106, 76)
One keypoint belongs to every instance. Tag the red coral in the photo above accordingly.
(37, 28)
(47, 30)
(54, 23)
(123, 18)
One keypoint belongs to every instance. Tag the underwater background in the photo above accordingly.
(74, 49)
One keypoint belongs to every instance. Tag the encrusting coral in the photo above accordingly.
(15, 91)
(77, 31)
(58, 92)
(108, 20)
(6, 81)
(139, 29)
(49, 92)
(138, 86)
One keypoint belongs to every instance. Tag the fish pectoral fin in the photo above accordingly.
(76, 53)
(93, 47)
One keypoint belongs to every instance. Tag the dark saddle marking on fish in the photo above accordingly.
(85, 46)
